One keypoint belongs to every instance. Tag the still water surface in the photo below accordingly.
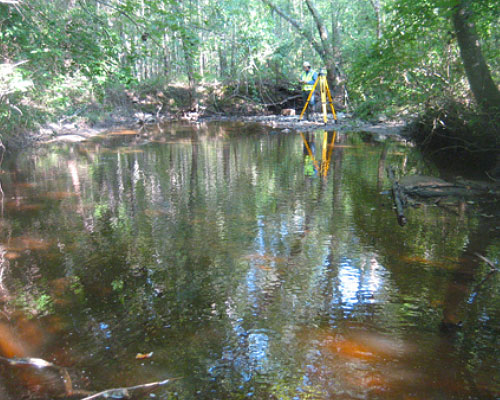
(251, 264)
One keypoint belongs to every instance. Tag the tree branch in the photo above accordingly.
(124, 391)
(126, 15)
(297, 25)
(487, 261)
(323, 33)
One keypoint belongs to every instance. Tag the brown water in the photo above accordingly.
(250, 264)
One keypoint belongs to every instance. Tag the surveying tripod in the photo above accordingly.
(324, 90)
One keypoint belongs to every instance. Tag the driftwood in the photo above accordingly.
(116, 393)
(416, 189)
(124, 393)
(39, 363)
(398, 197)
(493, 269)
(428, 187)
(278, 103)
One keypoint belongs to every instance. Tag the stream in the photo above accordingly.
(248, 263)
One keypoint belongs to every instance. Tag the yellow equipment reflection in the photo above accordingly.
(323, 166)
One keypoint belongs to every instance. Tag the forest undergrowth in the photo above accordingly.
(456, 134)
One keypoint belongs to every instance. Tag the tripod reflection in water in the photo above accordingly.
(311, 165)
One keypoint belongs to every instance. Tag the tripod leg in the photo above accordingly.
(329, 156)
(308, 99)
(309, 151)
(331, 102)
(324, 159)
(323, 87)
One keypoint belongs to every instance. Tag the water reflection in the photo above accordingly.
(250, 264)
(311, 165)
(360, 284)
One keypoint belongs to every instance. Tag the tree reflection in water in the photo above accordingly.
(217, 249)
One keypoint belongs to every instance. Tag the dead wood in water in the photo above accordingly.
(493, 269)
(398, 197)
(416, 190)
(124, 393)
(41, 364)
(70, 393)
(426, 188)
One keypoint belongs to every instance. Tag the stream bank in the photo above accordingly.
(70, 132)
(144, 106)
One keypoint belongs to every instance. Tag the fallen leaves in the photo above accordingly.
(142, 356)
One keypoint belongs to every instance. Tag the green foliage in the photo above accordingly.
(466, 136)
(35, 304)
(12, 85)
(43, 303)
(117, 285)
(417, 58)
(371, 108)
(80, 53)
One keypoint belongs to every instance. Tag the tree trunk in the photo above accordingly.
(481, 83)
(324, 46)
(326, 54)
(376, 8)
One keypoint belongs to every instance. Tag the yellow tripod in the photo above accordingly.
(325, 91)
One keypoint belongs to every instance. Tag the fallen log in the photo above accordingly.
(428, 187)
(398, 197)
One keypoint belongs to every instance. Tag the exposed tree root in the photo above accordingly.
(450, 131)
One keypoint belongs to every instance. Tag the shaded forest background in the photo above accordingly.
(82, 61)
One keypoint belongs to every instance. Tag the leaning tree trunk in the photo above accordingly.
(324, 47)
(327, 53)
(481, 83)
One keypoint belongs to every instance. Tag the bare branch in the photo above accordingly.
(323, 33)
(487, 261)
(297, 25)
(124, 391)
(126, 15)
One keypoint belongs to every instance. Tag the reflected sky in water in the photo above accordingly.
(252, 264)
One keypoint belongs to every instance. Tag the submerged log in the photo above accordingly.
(417, 189)
(398, 197)
(428, 187)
